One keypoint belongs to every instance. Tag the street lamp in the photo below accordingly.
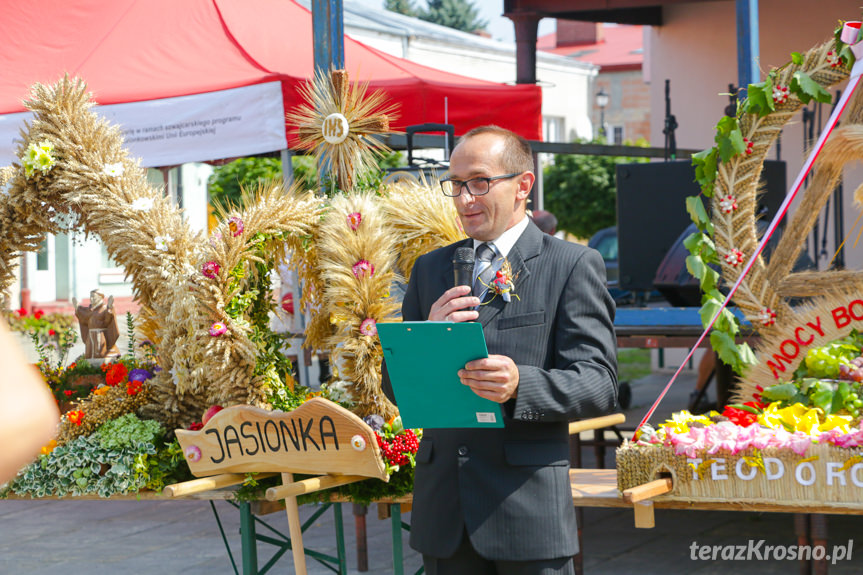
(601, 102)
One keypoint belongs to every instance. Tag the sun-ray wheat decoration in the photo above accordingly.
(206, 302)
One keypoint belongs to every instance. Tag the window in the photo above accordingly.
(42, 256)
(618, 135)
(553, 129)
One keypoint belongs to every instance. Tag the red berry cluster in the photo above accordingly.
(395, 451)
(749, 146)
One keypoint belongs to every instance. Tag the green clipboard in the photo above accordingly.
(423, 359)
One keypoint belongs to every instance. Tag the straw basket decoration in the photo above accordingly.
(814, 454)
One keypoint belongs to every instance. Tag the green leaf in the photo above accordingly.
(708, 310)
(797, 58)
(759, 98)
(709, 279)
(729, 139)
(805, 88)
(695, 266)
(822, 396)
(693, 242)
(698, 213)
(780, 392)
(705, 169)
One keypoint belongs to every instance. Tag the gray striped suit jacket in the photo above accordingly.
(510, 487)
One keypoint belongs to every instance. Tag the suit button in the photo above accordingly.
(462, 450)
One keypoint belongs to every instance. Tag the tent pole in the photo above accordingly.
(299, 317)
(328, 31)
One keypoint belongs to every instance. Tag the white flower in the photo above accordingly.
(162, 242)
(113, 169)
(142, 204)
(174, 377)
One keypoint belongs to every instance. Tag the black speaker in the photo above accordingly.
(651, 213)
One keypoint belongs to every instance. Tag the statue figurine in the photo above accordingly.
(98, 325)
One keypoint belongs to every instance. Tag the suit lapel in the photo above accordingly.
(525, 249)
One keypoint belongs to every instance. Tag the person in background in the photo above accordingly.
(498, 501)
(28, 411)
(546, 221)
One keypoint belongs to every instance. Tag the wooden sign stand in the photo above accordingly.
(318, 438)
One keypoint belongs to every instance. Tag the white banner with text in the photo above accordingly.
(216, 125)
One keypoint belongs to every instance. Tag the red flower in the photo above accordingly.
(76, 417)
(68, 392)
(116, 374)
(38, 314)
(196, 426)
(134, 387)
(22, 312)
(52, 332)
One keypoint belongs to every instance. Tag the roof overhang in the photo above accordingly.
(646, 12)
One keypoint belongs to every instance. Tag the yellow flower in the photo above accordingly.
(679, 422)
(798, 417)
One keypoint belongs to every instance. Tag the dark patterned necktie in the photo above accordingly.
(484, 256)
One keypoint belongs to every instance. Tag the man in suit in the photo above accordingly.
(498, 500)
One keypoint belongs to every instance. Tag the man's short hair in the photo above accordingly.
(546, 221)
(517, 155)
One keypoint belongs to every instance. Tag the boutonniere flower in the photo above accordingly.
(503, 284)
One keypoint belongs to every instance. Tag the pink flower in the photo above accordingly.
(363, 267)
(369, 327)
(193, 453)
(217, 329)
(689, 443)
(722, 436)
(236, 226)
(354, 220)
(211, 270)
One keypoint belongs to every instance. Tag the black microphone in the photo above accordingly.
(462, 266)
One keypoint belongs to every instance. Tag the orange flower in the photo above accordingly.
(47, 449)
(133, 387)
(116, 374)
(76, 417)
(101, 390)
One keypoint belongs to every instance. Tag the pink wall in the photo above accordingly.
(696, 49)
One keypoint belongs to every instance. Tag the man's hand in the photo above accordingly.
(494, 377)
(451, 306)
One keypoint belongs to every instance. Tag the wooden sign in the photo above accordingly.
(319, 437)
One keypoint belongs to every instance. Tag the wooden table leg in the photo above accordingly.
(295, 528)
(360, 512)
(818, 524)
(801, 530)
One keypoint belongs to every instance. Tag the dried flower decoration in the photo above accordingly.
(236, 226)
(115, 170)
(363, 268)
(734, 257)
(369, 326)
(211, 269)
(354, 220)
(142, 204)
(162, 242)
(767, 316)
(217, 329)
(728, 204)
(39, 157)
(358, 442)
(503, 284)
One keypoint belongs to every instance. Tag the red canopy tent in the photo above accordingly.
(129, 51)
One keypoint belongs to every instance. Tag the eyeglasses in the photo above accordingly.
(475, 186)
